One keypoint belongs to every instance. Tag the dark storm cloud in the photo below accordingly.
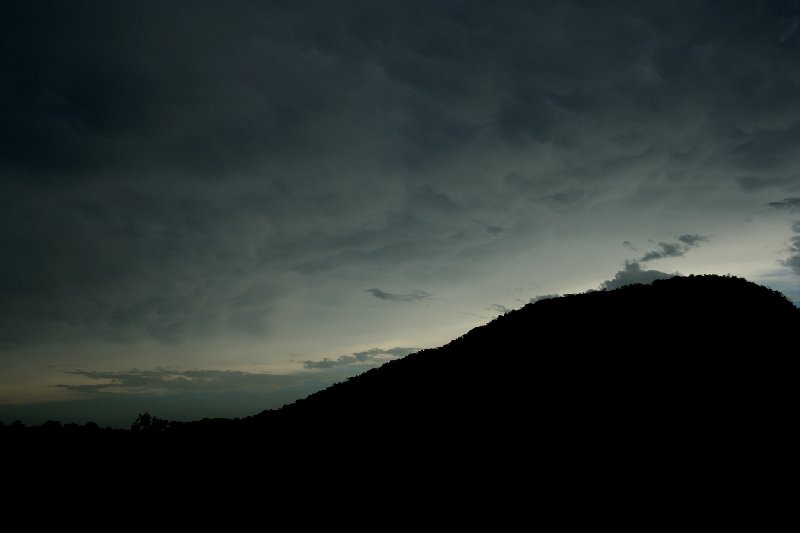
(222, 86)
(171, 169)
(179, 87)
(414, 296)
(770, 150)
(95, 270)
(755, 184)
(633, 274)
(787, 203)
(372, 357)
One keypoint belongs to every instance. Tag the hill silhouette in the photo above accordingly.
(696, 353)
(656, 402)
(640, 369)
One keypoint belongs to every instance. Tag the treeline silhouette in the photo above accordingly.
(682, 367)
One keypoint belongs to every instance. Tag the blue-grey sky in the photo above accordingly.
(220, 206)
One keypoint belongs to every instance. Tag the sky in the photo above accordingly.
(214, 208)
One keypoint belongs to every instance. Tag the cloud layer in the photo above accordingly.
(789, 204)
(169, 170)
(633, 274)
(184, 172)
(793, 261)
(171, 381)
(414, 296)
(371, 357)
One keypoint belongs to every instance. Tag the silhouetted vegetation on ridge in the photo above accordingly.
(699, 357)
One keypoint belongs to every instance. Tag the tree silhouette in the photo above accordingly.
(145, 422)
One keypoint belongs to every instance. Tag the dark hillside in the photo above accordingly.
(643, 402)
(705, 358)
(690, 365)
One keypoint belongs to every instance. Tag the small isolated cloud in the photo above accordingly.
(674, 249)
(565, 197)
(692, 240)
(373, 356)
(668, 249)
(494, 229)
(413, 296)
(633, 274)
(789, 204)
(502, 309)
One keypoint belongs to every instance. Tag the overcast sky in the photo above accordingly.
(207, 201)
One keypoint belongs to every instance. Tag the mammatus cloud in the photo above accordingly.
(633, 274)
(789, 204)
(413, 296)
(373, 356)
